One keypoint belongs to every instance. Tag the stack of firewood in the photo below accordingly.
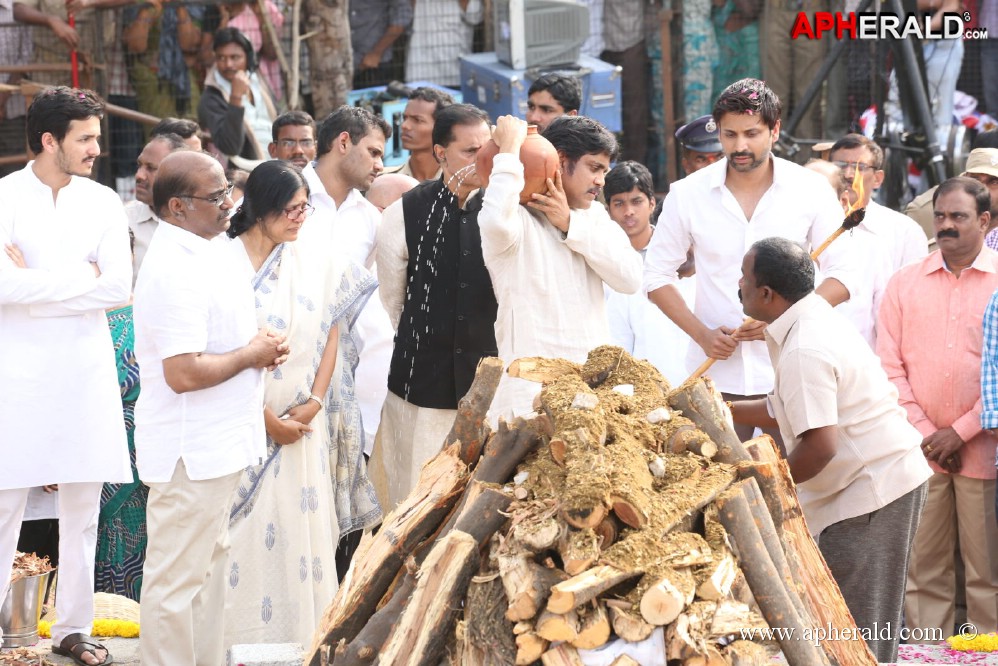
(620, 509)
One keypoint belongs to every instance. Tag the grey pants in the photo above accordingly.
(868, 557)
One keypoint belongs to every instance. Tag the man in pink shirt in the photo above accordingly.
(929, 339)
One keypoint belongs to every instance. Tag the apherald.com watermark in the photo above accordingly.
(817, 635)
(879, 25)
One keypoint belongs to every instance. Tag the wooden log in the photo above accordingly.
(562, 655)
(557, 626)
(711, 656)
(542, 370)
(607, 532)
(685, 549)
(441, 482)
(579, 550)
(763, 520)
(714, 580)
(586, 586)
(624, 660)
(482, 517)
(488, 635)
(470, 425)
(823, 596)
(695, 440)
(630, 483)
(702, 403)
(536, 534)
(627, 624)
(733, 618)
(767, 586)
(588, 486)
(679, 644)
(527, 585)
(529, 648)
(747, 653)
(365, 648)
(668, 596)
(764, 474)
(558, 448)
(428, 620)
(594, 628)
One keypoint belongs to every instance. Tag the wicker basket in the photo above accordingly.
(115, 607)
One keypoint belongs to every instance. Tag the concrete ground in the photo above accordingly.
(124, 650)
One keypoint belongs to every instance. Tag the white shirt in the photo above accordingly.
(702, 213)
(549, 286)
(352, 229)
(143, 222)
(60, 404)
(826, 375)
(904, 239)
(637, 325)
(864, 299)
(195, 295)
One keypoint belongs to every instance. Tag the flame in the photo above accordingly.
(857, 187)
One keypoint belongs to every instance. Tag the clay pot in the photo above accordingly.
(539, 158)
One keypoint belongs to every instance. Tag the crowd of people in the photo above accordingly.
(203, 373)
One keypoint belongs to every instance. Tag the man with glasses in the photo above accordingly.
(294, 138)
(199, 420)
(902, 238)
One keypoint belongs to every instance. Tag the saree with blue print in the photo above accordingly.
(291, 509)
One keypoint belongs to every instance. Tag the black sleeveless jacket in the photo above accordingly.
(448, 317)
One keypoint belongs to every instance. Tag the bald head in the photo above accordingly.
(179, 173)
(389, 188)
(833, 175)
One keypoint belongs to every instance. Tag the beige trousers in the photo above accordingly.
(408, 437)
(183, 588)
(964, 508)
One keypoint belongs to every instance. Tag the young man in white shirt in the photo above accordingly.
(199, 419)
(856, 460)
(635, 323)
(720, 211)
(549, 259)
(66, 259)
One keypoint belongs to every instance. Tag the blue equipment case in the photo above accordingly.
(502, 90)
(379, 102)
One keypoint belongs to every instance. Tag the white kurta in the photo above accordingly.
(60, 405)
(549, 286)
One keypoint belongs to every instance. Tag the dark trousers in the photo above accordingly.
(868, 557)
(634, 91)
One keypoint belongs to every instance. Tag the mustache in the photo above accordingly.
(948, 233)
(739, 295)
(742, 154)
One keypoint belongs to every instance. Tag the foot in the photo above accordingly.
(84, 650)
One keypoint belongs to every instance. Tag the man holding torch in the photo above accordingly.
(719, 212)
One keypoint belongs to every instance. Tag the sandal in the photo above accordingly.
(80, 644)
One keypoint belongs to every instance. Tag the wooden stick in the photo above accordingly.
(577, 590)
(529, 648)
(562, 655)
(470, 427)
(705, 366)
(489, 639)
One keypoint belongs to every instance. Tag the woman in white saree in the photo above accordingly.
(288, 514)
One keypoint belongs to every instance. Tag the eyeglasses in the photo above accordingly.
(863, 168)
(297, 212)
(215, 200)
(306, 144)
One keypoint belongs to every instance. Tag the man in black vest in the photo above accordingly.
(439, 297)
